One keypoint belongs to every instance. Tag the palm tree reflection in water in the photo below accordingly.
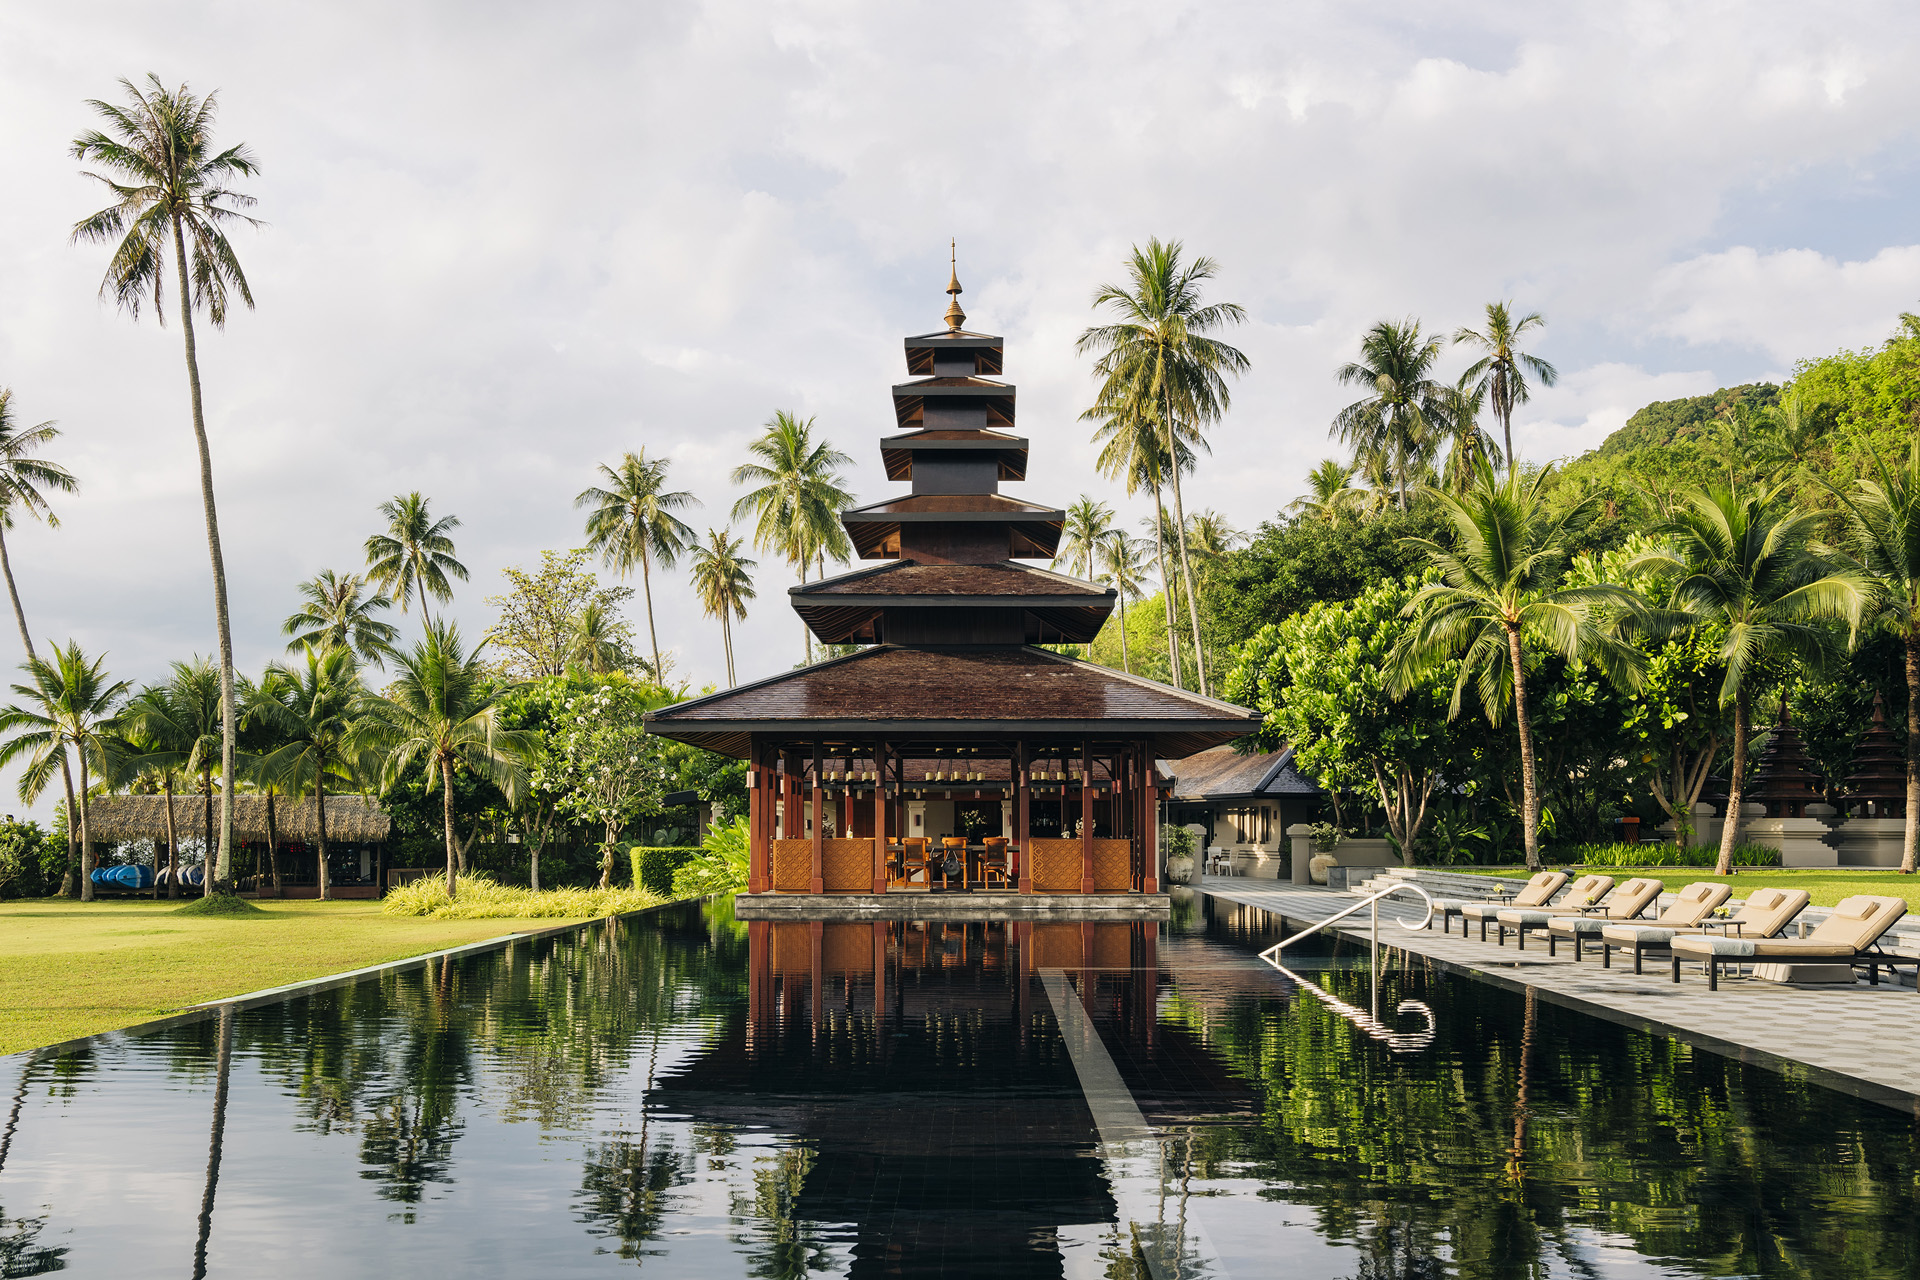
(223, 1068)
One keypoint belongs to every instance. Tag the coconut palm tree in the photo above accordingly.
(1123, 566)
(1210, 539)
(1498, 591)
(1086, 524)
(1396, 421)
(1468, 445)
(194, 692)
(260, 738)
(161, 736)
(314, 709)
(1160, 356)
(1502, 369)
(23, 478)
(1883, 521)
(1743, 559)
(335, 613)
(632, 522)
(1131, 452)
(413, 559)
(595, 642)
(722, 581)
(69, 702)
(798, 498)
(170, 191)
(1331, 492)
(443, 710)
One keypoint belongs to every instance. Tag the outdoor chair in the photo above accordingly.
(994, 863)
(956, 851)
(1765, 913)
(1586, 891)
(1538, 892)
(1851, 935)
(1624, 903)
(914, 860)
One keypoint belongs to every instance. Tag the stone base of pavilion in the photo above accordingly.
(952, 906)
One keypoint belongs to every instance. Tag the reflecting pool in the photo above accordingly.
(690, 1095)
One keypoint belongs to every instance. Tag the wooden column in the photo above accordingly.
(880, 816)
(1022, 827)
(818, 884)
(759, 822)
(793, 819)
(1086, 815)
(1149, 820)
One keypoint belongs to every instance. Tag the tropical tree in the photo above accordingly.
(1743, 561)
(1499, 592)
(260, 737)
(1330, 492)
(193, 692)
(1396, 421)
(69, 702)
(335, 613)
(722, 581)
(1123, 566)
(1467, 444)
(170, 190)
(1087, 524)
(1501, 371)
(414, 559)
(314, 708)
(1131, 452)
(1883, 519)
(797, 498)
(596, 641)
(160, 737)
(23, 478)
(1160, 357)
(442, 710)
(1210, 539)
(538, 629)
(632, 523)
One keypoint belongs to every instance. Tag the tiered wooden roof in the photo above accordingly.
(953, 620)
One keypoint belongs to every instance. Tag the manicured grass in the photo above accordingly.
(71, 969)
(1824, 888)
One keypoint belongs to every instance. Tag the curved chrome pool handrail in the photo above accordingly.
(1271, 954)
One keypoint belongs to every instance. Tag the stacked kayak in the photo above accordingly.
(127, 877)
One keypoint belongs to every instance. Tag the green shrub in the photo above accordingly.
(720, 867)
(218, 904)
(654, 866)
(480, 897)
(1665, 854)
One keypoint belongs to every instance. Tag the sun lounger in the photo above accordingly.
(1537, 892)
(1765, 913)
(1586, 891)
(1851, 935)
(1624, 903)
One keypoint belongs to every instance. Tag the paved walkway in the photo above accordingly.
(1862, 1040)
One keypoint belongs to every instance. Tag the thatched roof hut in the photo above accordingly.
(350, 819)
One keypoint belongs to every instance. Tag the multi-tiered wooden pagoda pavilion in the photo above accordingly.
(952, 752)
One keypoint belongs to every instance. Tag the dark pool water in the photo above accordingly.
(693, 1096)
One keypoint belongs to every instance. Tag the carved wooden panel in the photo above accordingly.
(792, 866)
(846, 866)
(1056, 865)
(1112, 866)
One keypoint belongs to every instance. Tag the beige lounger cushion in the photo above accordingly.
(1647, 935)
(1626, 902)
(1692, 905)
(1805, 948)
(1589, 890)
(1855, 925)
(1766, 912)
(1539, 891)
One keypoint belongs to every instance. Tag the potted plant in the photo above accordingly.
(1179, 856)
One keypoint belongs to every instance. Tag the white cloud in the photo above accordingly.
(1790, 304)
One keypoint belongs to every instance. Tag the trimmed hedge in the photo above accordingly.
(1666, 854)
(653, 867)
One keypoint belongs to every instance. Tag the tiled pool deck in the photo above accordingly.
(1863, 1040)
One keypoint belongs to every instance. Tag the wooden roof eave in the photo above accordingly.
(1170, 740)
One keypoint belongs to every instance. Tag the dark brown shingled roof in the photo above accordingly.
(905, 579)
(940, 505)
(934, 691)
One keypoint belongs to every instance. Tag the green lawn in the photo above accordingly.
(1825, 888)
(71, 969)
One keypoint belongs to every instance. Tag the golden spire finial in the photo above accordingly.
(955, 316)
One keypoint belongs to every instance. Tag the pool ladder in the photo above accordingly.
(1365, 1020)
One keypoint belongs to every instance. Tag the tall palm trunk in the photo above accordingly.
(26, 640)
(1736, 783)
(806, 632)
(1503, 405)
(1186, 585)
(320, 818)
(446, 813)
(1913, 748)
(646, 589)
(86, 843)
(215, 870)
(1126, 663)
(726, 641)
(273, 848)
(1529, 785)
(1166, 583)
(206, 847)
(216, 1140)
(173, 840)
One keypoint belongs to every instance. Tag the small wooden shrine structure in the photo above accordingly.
(952, 723)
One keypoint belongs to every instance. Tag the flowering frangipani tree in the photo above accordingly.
(600, 767)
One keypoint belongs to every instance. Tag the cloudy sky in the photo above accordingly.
(508, 242)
